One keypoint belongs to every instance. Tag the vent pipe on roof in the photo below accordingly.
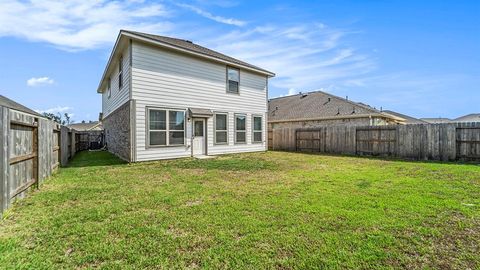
(338, 112)
(328, 100)
(346, 97)
(353, 112)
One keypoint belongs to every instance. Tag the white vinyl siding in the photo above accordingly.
(118, 96)
(167, 79)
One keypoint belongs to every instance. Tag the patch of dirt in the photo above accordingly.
(176, 232)
(193, 203)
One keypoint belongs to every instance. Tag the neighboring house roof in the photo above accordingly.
(87, 126)
(473, 117)
(6, 102)
(437, 120)
(408, 119)
(182, 45)
(318, 104)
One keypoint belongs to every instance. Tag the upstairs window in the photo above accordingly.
(240, 128)
(233, 80)
(109, 87)
(221, 134)
(257, 129)
(166, 127)
(120, 73)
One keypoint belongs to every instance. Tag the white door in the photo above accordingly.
(198, 137)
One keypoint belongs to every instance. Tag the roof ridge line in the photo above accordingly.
(334, 96)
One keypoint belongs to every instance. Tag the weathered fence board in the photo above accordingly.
(23, 154)
(284, 139)
(467, 139)
(4, 158)
(30, 148)
(422, 141)
(67, 145)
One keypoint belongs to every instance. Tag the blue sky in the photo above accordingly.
(416, 57)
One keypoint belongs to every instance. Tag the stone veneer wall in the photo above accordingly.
(117, 132)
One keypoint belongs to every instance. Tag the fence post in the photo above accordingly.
(63, 145)
(4, 158)
(295, 139)
(35, 150)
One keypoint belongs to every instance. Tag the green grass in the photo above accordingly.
(261, 210)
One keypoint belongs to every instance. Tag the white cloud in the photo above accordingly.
(304, 56)
(78, 24)
(220, 3)
(56, 110)
(39, 81)
(292, 91)
(210, 16)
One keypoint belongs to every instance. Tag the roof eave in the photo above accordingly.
(353, 116)
(99, 88)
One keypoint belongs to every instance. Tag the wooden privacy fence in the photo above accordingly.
(31, 148)
(446, 142)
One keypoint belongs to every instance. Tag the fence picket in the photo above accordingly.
(446, 142)
(29, 152)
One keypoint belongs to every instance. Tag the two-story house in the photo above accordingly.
(169, 98)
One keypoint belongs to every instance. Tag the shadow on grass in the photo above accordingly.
(386, 158)
(95, 158)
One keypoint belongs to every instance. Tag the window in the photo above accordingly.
(166, 127)
(198, 128)
(176, 120)
(221, 134)
(120, 73)
(109, 87)
(233, 80)
(257, 129)
(240, 128)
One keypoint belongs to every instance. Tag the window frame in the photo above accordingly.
(256, 131)
(244, 131)
(120, 73)
(215, 128)
(167, 127)
(109, 87)
(227, 81)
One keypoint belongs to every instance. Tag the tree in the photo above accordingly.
(59, 118)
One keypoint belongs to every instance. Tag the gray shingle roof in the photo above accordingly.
(437, 120)
(189, 45)
(473, 117)
(316, 104)
(6, 102)
(408, 119)
(86, 126)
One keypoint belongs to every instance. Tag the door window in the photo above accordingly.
(198, 129)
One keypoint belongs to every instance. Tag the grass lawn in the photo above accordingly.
(259, 210)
